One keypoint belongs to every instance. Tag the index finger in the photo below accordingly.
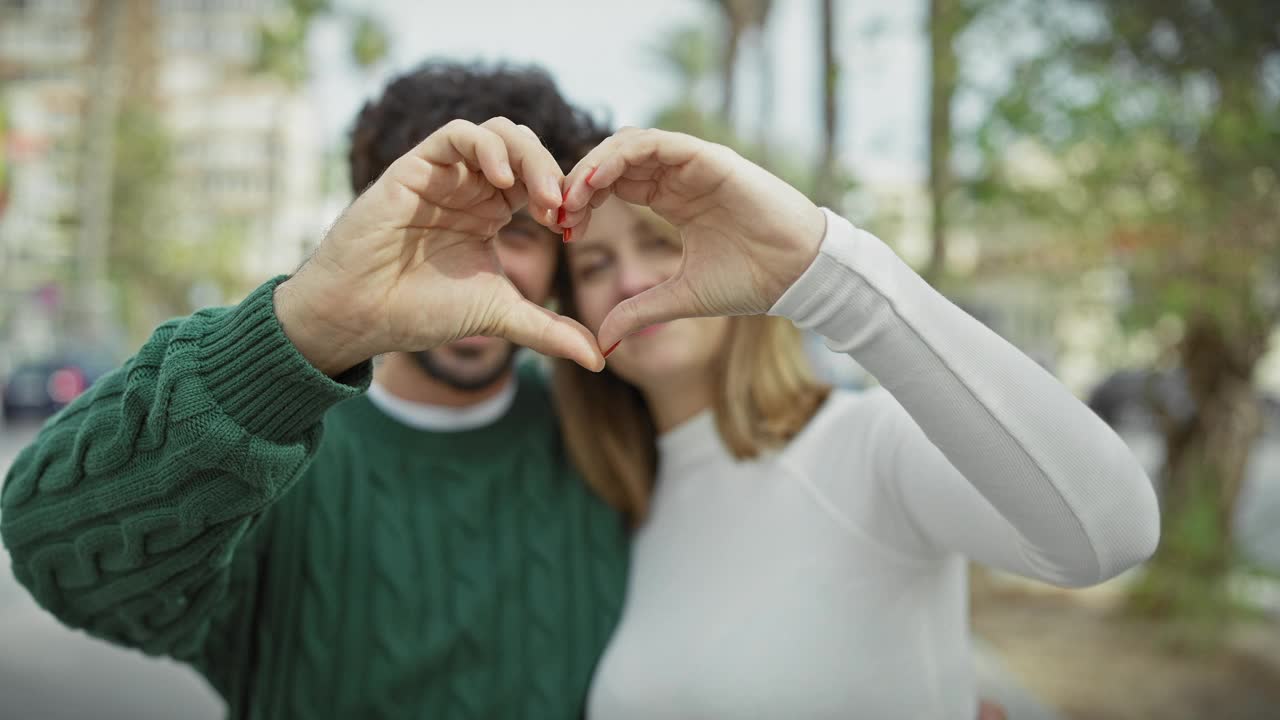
(461, 141)
(628, 148)
(532, 161)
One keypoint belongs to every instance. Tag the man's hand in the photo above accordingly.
(410, 265)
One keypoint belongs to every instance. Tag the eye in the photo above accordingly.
(591, 266)
(659, 242)
(517, 234)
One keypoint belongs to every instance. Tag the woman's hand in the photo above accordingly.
(747, 234)
(410, 266)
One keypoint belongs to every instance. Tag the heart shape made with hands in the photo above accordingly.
(747, 234)
(420, 237)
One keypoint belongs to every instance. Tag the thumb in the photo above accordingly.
(670, 300)
(541, 330)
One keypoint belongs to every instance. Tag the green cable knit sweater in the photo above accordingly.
(190, 505)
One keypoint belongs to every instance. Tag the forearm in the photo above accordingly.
(1071, 489)
(131, 501)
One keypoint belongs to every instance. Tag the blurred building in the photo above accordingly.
(42, 50)
(249, 155)
(246, 160)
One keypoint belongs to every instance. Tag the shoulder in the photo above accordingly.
(847, 429)
(845, 410)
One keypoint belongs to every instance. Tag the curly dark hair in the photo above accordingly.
(421, 101)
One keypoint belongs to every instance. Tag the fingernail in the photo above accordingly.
(568, 234)
(560, 216)
(609, 352)
(591, 174)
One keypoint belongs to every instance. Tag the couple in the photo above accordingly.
(322, 538)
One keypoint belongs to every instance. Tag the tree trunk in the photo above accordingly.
(824, 189)
(1206, 456)
(764, 133)
(728, 70)
(944, 23)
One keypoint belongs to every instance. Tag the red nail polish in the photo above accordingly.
(560, 216)
(609, 352)
(568, 234)
(591, 174)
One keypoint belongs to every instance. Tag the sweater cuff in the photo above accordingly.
(258, 377)
(853, 274)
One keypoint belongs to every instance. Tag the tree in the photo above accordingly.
(687, 53)
(825, 177)
(1144, 133)
(282, 39)
(945, 20)
(740, 17)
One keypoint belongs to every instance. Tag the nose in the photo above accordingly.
(635, 276)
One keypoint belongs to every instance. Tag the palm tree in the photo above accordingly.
(740, 17)
(946, 18)
(824, 178)
(282, 47)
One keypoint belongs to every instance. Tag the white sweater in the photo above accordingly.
(828, 580)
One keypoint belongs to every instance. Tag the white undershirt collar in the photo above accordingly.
(438, 418)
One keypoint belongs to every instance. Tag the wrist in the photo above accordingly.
(329, 347)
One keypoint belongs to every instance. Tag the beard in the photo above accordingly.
(464, 369)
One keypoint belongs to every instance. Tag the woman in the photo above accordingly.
(801, 553)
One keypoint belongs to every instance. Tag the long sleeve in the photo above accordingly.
(980, 451)
(126, 514)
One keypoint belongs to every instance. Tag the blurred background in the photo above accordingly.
(1097, 180)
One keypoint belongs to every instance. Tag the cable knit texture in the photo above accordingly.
(190, 505)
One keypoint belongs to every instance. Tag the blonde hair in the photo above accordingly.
(765, 394)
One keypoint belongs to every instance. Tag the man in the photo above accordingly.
(430, 553)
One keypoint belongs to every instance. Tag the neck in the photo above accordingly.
(402, 377)
(672, 403)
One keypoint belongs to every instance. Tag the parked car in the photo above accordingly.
(38, 389)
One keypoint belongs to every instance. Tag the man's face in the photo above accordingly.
(527, 253)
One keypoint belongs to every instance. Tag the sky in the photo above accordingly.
(602, 54)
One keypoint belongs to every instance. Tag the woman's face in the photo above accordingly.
(623, 254)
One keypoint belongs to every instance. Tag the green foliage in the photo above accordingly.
(282, 39)
(150, 266)
(138, 266)
(4, 161)
(282, 48)
(369, 42)
(1139, 152)
(1146, 134)
(689, 53)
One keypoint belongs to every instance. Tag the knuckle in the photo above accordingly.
(498, 122)
(458, 125)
